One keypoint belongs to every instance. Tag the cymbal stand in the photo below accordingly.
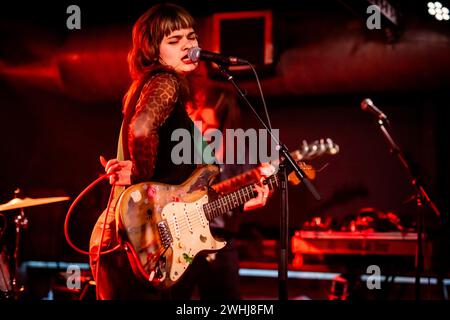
(21, 222)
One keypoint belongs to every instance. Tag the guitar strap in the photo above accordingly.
(118, 189)
(120, 156)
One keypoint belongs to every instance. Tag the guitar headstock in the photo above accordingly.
(316, 149)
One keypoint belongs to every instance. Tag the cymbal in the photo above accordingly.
(18, 203)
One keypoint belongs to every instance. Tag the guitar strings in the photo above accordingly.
(229, 203)
(225, 206)
(195, 216)
(184, 224)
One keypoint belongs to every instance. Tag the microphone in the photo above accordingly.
(367, 105)
(195, 54)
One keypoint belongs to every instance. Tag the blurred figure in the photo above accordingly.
(216, 107)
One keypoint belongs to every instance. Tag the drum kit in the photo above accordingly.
(9, 264)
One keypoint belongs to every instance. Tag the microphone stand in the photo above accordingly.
(421, 197)
(287, 160)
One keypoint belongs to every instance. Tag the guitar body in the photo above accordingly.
(164, 226)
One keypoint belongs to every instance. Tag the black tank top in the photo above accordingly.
(166, 170)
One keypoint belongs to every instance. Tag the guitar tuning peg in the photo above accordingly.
(333, 148)
(305, 146)
(322, 144)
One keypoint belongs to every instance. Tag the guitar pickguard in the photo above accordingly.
(190, 232)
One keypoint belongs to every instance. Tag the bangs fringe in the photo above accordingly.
(176, 22)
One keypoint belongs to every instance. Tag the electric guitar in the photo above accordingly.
(163, 227)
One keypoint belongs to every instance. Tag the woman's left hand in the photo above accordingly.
(265, 170)
(261, 198)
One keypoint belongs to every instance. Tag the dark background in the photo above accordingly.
(61, 94)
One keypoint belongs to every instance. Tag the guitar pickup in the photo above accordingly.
(164, 234)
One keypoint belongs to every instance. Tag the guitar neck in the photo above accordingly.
(233, 200)
(250, 176)
(247, 177)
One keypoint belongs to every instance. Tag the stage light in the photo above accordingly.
(439, 11)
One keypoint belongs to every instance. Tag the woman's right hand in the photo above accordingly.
(121, 170)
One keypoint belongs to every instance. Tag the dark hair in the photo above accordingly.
(148, 33)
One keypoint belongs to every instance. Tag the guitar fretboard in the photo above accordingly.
(233, 200)
(250, 176)
(241, 179)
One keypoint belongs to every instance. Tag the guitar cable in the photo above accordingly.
(66, 226)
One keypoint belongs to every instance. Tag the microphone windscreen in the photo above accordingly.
(194, 54)
(366, 103)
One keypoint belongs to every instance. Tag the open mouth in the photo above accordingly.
(186, 58)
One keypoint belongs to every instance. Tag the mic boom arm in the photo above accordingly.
(196, 54)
